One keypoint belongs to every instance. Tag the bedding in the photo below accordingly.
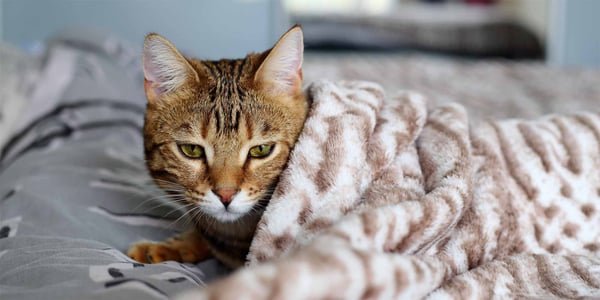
(18, 73)
(385, 199)
(74, 193)
(489, 89)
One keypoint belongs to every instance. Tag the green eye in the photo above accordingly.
(260, 151)
(192, 151)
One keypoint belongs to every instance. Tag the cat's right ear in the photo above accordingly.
(281, 71)
(165, 69)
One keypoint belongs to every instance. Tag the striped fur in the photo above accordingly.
(226, 107)
(402, 202)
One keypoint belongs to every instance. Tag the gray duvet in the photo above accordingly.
(74, 193)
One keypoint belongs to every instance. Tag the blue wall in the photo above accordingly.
(208, 29)
(582, 33)
(574, 36)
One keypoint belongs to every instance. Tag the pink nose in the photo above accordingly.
(225, 195)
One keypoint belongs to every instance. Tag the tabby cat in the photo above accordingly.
(219, 133)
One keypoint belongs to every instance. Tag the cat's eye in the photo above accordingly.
(260, 151)
(192, 151)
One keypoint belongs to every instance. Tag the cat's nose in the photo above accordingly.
(225, 195)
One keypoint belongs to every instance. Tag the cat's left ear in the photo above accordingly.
(281, 71)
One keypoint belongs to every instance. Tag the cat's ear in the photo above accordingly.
(281, 71)
(165, 69)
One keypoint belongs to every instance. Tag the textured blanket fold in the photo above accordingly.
(385, 199)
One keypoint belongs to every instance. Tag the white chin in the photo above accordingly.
(226, 216)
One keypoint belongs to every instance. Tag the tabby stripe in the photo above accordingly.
(154, 147)
(225, 89)
(204, 130)
(162, 173)
(219, 90)
(238, 76)
(212, 93)
(236, 120)
(240, 68)
(230, 65)
(167, 154)
(217, 118)
(210, 67)
(249, 126)
(266, 128)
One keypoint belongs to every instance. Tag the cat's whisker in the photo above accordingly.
(164, 187)
(168, 183)
(173, 223)
(162, 195)
(182, 208)
(155, 185)
(171, 198)
(185, 214)
(169, 205)
(173, 203)
(195, 215)
(199, 215)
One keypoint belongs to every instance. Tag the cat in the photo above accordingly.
(217, 135)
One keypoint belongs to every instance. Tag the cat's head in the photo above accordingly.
(219, 133)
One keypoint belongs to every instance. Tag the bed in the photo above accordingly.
(74, 193)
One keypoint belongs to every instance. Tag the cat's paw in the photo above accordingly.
(174, 249)
(152, 253)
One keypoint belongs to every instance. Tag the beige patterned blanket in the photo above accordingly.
(384, 199)
(489, 89)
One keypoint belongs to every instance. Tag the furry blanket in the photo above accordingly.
(385, 199)
(524, 89)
